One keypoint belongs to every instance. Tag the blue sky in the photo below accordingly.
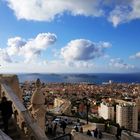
(69, 36)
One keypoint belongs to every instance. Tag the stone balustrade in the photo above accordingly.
(22, 116)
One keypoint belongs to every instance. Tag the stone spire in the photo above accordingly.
(38, 105)
(38, 98)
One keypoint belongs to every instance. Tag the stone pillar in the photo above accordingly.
(13, 82)
(38, 105)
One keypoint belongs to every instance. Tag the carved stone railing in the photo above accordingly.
(22, 116)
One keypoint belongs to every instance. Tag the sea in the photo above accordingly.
(94, 78)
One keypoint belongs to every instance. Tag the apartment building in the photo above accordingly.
(106, 111)
(127, 116)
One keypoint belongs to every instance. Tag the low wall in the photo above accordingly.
(83, 136)
(79, 136)
(126, 136)
(136, 135)
(93, 126)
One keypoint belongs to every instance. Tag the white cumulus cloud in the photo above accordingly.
(125, 12)
(31, 48)
(117, 11)
(14, 45)
(120, 64)
(119, 15)
(47, 10)
(82, 49)
(135, 56)
(4, 57)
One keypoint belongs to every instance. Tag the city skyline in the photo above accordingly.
(69, 36)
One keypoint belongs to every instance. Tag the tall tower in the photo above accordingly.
(127, 116)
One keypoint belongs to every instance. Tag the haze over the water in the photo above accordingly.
(69, 36)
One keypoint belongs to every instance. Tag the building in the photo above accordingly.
(106, 111)
(138, 104)
(127, 116)
(58, 102)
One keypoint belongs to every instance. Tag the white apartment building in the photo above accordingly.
(127, 116)
(106, 111)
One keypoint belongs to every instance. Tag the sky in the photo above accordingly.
(69, 36)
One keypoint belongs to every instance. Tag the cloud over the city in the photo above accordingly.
(135, 56)
(47, 10)
(125, 12)
(29, 49)
(82, 50)
(4, 57)
(120, 64)
(14, 45)
(118, 12)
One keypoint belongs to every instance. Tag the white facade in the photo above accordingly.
(106, 111)
(127, 116)
(58, 102)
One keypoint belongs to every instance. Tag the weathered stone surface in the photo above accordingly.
(36, 131)
(13, 82)
(38, 98)
(38, 105)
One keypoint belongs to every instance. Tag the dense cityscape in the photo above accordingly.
(69, 69)
(65, 111)
(116, 105)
